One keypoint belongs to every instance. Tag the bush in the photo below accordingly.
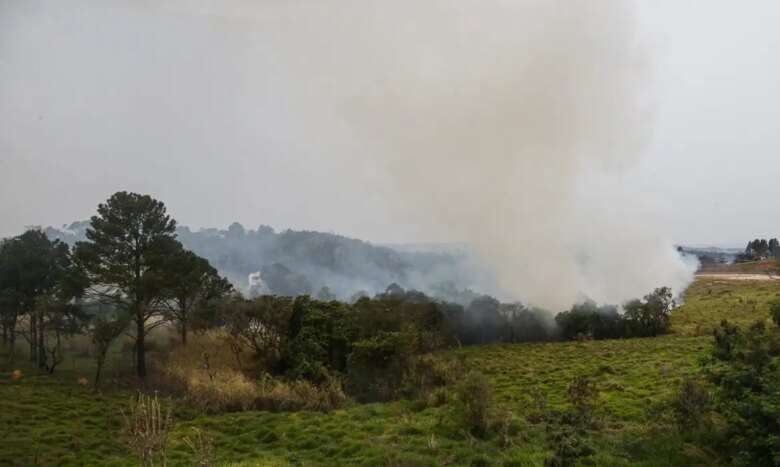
(429, 374)
(774, 312)
(475, 402)
(690, 404)
(299, 395)
(569, 445)
(583, 397)
(568, 437)
(211, 378)
(588, 320)
(642, 318)
(744, 366)
(378, 366)
(222, 391)
(651, 317)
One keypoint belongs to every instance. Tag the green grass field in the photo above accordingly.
(54, 421)
(709, 301)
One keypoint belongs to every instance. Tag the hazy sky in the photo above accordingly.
(220, 108)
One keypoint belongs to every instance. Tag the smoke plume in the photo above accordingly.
(509, 126)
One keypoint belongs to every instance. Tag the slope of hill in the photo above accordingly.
(304, 262)
(56, 421)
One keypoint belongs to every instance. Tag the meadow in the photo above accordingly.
(58, 420)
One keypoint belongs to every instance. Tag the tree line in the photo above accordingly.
(131, 272)
(131, 275)
(762, 248)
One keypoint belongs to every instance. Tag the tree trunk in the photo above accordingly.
(41, 340)
(100, 360)
(12, 344)
(140, 348)
(184, 332)
(33, 338)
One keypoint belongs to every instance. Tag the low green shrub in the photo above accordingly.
(690, 404)
(474, 402)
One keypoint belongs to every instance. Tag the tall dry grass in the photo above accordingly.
(146, 428)
(213, 379)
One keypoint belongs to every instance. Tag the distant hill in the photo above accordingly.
(305, 262)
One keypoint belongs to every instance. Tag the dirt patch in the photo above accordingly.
(739, 277)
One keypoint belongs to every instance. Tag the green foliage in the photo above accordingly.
(774, 312)
(745, 368)
(102, 333)
(588, 320)
(39, 281)
(71, 426)
(320, 339)
(261, 325)
(128, 243)
(474, 396)
(583, 397)
(377, 365)
(651, 317)
(190, 283)
(642, 318)
(569, 445)
(691, 404)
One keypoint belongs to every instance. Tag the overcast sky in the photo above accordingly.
(216, 108)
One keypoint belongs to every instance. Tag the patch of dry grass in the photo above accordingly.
(213, 380)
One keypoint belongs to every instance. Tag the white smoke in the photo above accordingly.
(505, 125)
(509, 125)
(257, 285)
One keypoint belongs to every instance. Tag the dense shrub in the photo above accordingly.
(210, 377)
(529, 324)
(427, 374)
(744, 366)
(652, 316)
(583, 398)
(319, 340)
(475, 402)
(274, 394)
(378, 366)
(690, 404)
(588, 320)
(220, 391)
(641, 318)
(376, 345)
(568, 432)
(569, 445)
(774, 312)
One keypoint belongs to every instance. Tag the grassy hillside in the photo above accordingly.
(708, 301)
(55, 421)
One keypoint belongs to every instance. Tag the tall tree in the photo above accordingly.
(774, 247)
(35, 273)
(124, 256)
(190, 282)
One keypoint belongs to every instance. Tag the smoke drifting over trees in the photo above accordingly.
(507, 126)
(261, 261)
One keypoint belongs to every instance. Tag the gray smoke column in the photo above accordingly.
(508, 125)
